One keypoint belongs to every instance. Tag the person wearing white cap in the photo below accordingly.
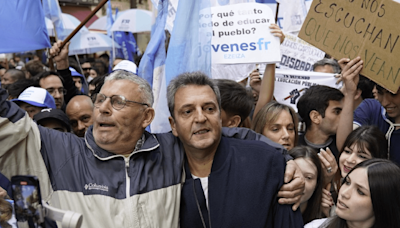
(34, 99)
(126, 65)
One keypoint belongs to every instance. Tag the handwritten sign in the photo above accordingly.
(366, 28)
(298, 54)
(241, 34)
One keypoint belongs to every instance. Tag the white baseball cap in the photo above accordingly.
(38, 97)
(126, 65)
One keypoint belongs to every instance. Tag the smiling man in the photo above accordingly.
(229, 182)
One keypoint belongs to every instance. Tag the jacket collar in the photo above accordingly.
(150, 143)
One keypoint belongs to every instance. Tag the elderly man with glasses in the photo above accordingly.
(118, 175)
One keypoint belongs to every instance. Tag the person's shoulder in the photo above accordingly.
(315, 223)
(255, 147)
(372, 104)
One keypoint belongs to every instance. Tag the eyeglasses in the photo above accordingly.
(117, 101)
(85, 69)
(61, 91)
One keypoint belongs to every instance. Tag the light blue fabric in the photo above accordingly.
(154, 55)
(52, 11)
(190, 45)
(23, 26)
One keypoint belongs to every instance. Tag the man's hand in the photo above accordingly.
(293, 188)
(60, 56)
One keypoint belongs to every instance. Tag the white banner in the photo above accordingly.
(241, 34)
(298, 54)
(291, 84)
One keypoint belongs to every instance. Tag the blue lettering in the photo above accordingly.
(260, 43)
(215, 49)
(266, 45)
(243, 46)
(234, 45)
(253, 46)
(224, 47)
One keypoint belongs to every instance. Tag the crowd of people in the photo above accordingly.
(234, 158)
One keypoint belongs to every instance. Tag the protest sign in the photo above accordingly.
(298, 54)
(291, 84)
(365, 28)
(240, 34)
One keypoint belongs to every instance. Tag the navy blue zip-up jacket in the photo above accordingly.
(242, 189)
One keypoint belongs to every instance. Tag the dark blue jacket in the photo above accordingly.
(242, 189)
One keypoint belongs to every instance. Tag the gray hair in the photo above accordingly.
(146, 92)
(330, 62)
(185, 79)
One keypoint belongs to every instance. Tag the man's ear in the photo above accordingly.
(148, 117)
(358, 94)
(234, 121)
(315, 117)
(173, 127)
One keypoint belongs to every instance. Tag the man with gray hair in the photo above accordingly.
(11, 76)
(229, 182)
(326, 65)
(118, 175)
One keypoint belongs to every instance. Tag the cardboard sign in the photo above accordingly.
(241, 34)
(291, 84)
(366, 28)
(298, 54)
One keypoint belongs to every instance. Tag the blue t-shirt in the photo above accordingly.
(371, 112)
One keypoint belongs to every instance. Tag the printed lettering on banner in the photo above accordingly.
(298, 54)
(240, 34)
(291, 84)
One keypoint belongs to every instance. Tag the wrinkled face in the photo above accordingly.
(351, 156)
(324, 69)
(354, 200)
(54, 86)
(310, 174)
(330, 122)
(80, 116)
(282, 131)
(118, 130)
(197, 120)
(391, 103)
(93, 73)
(30, 109)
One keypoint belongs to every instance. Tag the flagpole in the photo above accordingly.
(98, 7)
(113, 42)
(276, 14)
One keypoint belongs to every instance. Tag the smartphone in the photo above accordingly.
(27, 200)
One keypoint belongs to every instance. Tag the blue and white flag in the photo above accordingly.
(152, 68)
(23, 26)
(52, 11)
(190, 47)
(110, 22)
